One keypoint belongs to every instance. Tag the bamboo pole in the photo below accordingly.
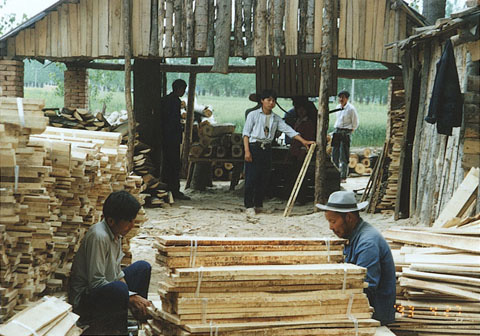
(326, 73)
(187, 137)
(128, 81)
(299, 181)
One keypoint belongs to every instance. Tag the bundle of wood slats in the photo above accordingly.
(249, 299)
(52, 188)
(179, 252)
(383, 184)
(245, 286)
(48, 317)
(439, 279)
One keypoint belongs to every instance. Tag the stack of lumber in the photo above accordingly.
(267, 286)
(181, 251)
(217, 141)
(383, 185)
(48, 317)
(265, 299)
(87, 167)
(438, 279)
(77, 119)
(361, 163)
(26, 223)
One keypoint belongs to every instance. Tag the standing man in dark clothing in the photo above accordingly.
(345, 125)
(172, 138)
(366, 247)
(100, 291)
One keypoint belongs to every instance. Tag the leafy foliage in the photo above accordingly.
(8, 21)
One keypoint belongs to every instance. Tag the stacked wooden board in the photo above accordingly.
(11, 78)
(52, 188)
(27, 225)
(249, 286)
(383, 185)
(48, 317)
(438, 279)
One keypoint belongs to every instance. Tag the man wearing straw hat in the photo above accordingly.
(366, 247)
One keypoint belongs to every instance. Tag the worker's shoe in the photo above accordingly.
(258, 210)
(250, 215)
(181, 196)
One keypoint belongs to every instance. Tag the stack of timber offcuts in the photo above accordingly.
(26, 224)
(77, 119)
(217, 141)
(438, 289)
(250, 286)
(49, 317)
(11, 78)
(361, 162)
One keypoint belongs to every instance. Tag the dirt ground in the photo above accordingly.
(219, 212)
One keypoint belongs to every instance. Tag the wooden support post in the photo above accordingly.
(325, 79)
(128, 81)
(187, 137)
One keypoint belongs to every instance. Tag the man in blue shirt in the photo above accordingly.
(366, 247)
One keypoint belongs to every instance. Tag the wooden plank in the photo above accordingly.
(317, 37)
(380, 29)
(291, 27)
(146, 24)
(89, 22)
(354, 17)
(342, 32)
(42, 30)
(53, 33)
(349, 29)
(469, 244)
(370, 21)
(439, 288)
(95, 27)
(73, 29)
(103, 25)
(115, 36)
(83, 29)
(30, 37)
(64, 40)
(407, 272)
(362, 7)
(136, 32)
(460, 197)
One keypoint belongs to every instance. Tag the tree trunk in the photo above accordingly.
(260, 17)
(278, 38)
(190, 28)
(222, 37)
(247, 14)
(433, 10)
(326, 65)
(154, 29)
(177, 28)
(128, 81)
(201, 25)
(161, 27)
(168, 51)
(310, 26)
(211, 28)
(302, 36)
(238, 29)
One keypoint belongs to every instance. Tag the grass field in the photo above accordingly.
(371, 132)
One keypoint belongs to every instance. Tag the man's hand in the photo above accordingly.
(308, 143)
(139, 304)
(248, 156)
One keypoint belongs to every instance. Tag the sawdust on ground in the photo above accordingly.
(219, 212)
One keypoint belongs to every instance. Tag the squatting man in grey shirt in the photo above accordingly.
(100, 291)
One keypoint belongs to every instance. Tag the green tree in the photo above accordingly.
(8, 20)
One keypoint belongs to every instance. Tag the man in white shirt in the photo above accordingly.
(258, 134)
(345, 125)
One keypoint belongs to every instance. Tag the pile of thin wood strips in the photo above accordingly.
(48, 317)
(77, 119)
(52, 188)
(438, 290)
(250, 286)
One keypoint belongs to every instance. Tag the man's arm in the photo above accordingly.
(246, 147)
(247, 131)
(354, 119)
(138, 302)
(368, 256)
(96, 248)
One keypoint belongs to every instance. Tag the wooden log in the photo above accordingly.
(128, 73)
(247, 15)
(238, 29)
(291, 28)
(168, 49)
(215, 130)
(359, 169)
(366, 162)
(201, 25)
(260, 21)
(218, 172)
(237, 151)
(326, 65)
(278, 36)
(237, 138)
(189, 43)
(177, 28)
(222, 37)
(211, 28)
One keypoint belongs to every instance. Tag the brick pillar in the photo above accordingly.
(11, 78)
(76, 88)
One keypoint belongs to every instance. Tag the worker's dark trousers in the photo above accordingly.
(341, 152)
(257, 175)
(105, 309)
(171, 166)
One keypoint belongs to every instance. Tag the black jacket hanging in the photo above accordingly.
(446, 104)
